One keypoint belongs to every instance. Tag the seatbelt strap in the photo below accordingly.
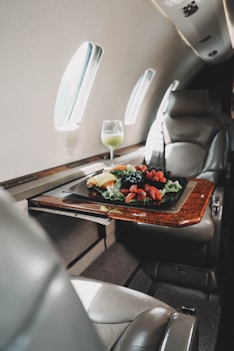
(158, 154)
(155, 148)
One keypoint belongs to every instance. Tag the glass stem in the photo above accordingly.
(111, 156)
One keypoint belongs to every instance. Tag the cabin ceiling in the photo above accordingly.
(202, 24)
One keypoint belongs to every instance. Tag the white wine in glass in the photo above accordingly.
(112, 135)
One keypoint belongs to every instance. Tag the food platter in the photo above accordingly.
(141, 194)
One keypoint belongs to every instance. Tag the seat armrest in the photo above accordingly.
(217, 203)
(175, 339)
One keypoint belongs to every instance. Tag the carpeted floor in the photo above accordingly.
(207, 313)
(116, 265)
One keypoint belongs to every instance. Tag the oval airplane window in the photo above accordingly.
(137, 96)
(75, 87)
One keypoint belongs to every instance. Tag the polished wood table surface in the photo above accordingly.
(188, 212)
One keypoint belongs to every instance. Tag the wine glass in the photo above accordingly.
(112, 135)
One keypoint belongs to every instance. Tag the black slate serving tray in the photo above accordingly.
(170, 199)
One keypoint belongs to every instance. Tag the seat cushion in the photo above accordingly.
(126, 319)
(186, 245)
(202, 232)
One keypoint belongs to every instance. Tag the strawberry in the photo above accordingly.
(153, 193)
(133, 188)
(124, 191)
(141, 195)
(130, 197)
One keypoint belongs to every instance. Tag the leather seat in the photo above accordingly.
(195, 146)
(42, 308)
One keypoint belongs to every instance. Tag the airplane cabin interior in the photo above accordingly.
(128, 244)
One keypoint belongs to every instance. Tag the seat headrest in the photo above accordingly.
(189, 103)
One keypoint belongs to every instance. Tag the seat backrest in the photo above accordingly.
(195, 137)
(39, 307)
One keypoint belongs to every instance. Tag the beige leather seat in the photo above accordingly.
(195, 145)
(41, 309)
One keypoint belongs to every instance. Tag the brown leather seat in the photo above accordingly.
(42, 308)
(195, 145)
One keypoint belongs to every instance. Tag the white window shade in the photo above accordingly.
(75, 87)
(137, 97)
